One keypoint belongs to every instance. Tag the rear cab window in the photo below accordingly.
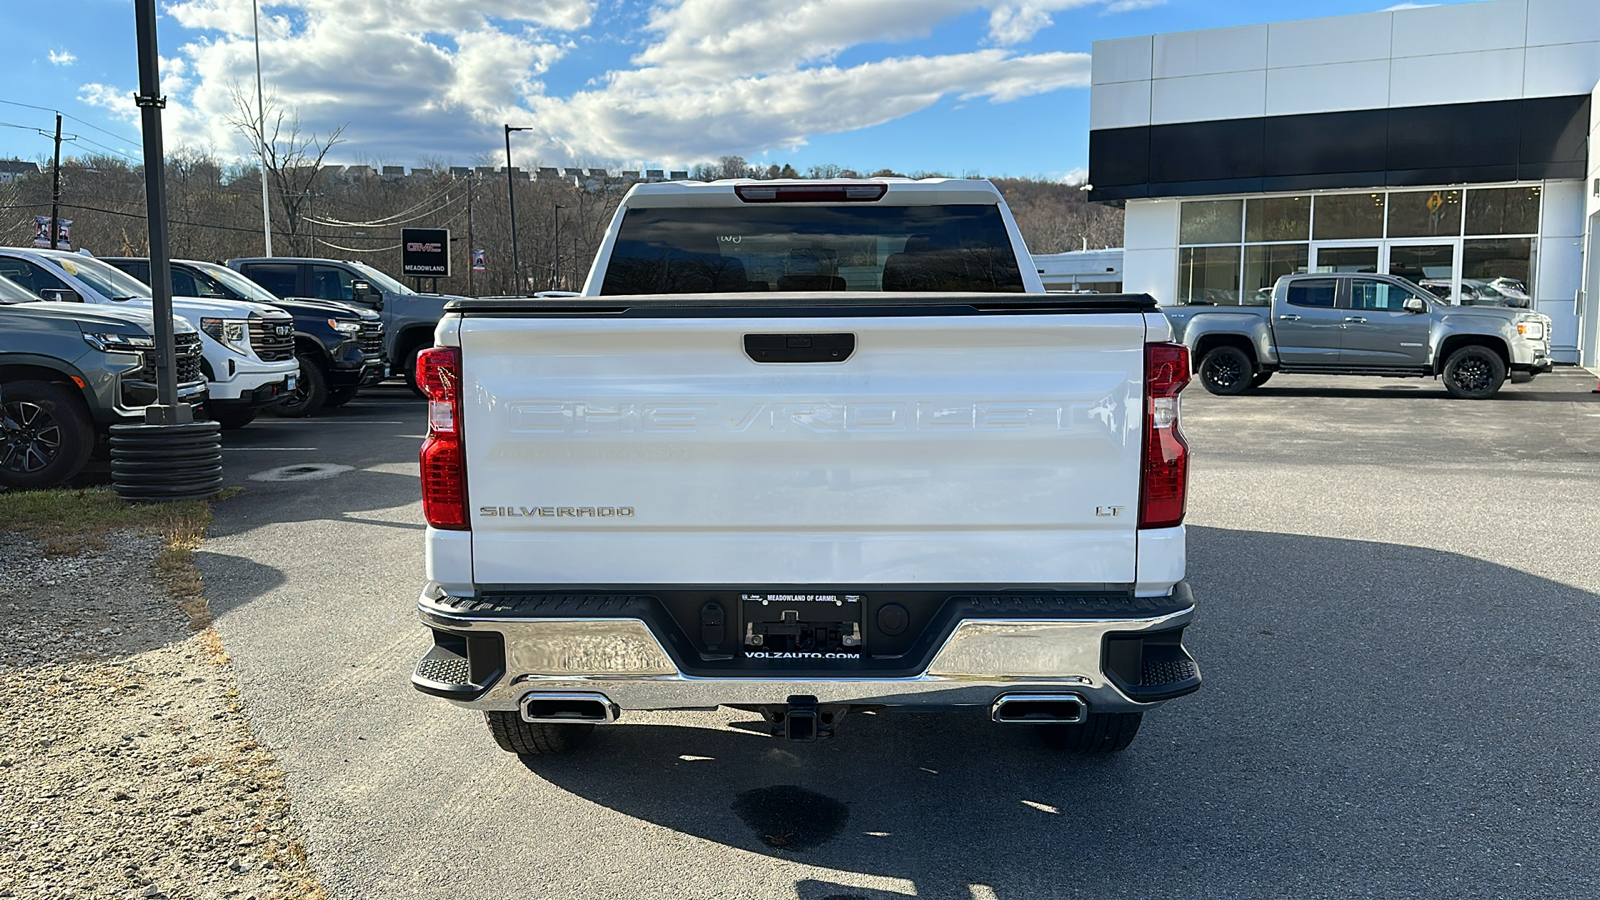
(279, 278)
(1317, 293)
(958, 247)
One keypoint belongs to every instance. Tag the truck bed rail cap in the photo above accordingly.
(803, 304)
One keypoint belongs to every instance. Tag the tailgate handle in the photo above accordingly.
(799, 348)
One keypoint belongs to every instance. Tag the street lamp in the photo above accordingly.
(261, 133)
(555, 215)
(511, 198)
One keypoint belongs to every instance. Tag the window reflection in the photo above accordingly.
(1208, 276)
(1424, 214)
(1344, 216)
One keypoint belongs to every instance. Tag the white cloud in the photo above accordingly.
(62, 58)
(1129, 5)
(1400, 6)
(711, 76)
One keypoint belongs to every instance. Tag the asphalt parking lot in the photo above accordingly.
(1397, 593)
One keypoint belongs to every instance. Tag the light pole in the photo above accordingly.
(555, 245)
(261, 133)
(511, 199)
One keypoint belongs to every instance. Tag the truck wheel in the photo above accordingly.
(1102, 733)
(1260, 379)
(338, 398)
(309, 395)
(408, 370)
(535, 738)
(1227, 370)
(233, 418)
(1474, 372)
(45, 435)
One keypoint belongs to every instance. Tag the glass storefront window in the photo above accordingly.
(1277, 219)
(1210, 221)
(1426, 264)
(1208, 276)
(1425, 214)
(1496, 272)
(1344, 216)
(1503, 210)
(1264, 265)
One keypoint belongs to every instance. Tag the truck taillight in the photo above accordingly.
(1164, 474)
(444, 462)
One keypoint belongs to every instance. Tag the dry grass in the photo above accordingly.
(68, 521)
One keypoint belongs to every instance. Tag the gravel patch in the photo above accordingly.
(127, 767)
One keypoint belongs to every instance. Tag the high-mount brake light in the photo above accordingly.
(810, 193)
(1164, 470)
(444, 462)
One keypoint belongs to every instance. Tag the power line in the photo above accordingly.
(47, 109)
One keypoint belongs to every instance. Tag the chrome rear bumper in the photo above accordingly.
(621, 659)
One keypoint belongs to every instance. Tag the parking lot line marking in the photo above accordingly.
(269, 448)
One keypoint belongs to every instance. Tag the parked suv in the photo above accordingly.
(68, 372)
(409, 317)
(248, 348)
(340, 346)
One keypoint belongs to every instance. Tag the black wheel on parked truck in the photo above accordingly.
(535, 738)
(310, 392)
(408, 369)
(1474, 372)
(1102, 733)
(339, 397)
(1227, 370)
(45, 435)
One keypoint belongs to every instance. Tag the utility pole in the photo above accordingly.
(555, 245)
(55, 189)
(472, 281)
(511, 198)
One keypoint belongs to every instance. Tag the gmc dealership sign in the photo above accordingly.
(426, 253)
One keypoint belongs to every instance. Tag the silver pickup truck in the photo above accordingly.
(1362, 324)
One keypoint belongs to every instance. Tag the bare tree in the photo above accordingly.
(292, 160)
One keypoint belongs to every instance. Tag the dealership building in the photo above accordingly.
(1458, 146)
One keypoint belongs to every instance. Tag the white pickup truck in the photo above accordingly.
(814, 449)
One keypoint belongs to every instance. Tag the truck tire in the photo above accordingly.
(1102, 733)
(1227, 370)
(408, 370)
(1474, 372)
(309, 394)
(237, 417)
(45, 435)
(535, 738)
(339, 397)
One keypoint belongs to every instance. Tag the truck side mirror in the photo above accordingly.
(1415, 304)
(363, 292)
(61, 295)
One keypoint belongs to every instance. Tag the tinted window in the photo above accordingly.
(1318, 292)
(278, 278)
(848, 248)
(331, 283)
(1379, 296)
(30, 276)
(11, 292)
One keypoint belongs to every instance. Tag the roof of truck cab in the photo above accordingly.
(899, 192)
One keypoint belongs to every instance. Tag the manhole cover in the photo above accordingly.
(302, 472)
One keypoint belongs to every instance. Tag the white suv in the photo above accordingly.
(248, 347)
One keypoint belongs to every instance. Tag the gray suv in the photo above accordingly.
(409, 317)
(68, 372)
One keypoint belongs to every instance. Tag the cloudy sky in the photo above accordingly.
(995, 86)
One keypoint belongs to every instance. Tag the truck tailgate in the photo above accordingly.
(945, 450)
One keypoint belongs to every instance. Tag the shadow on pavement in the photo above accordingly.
(349, 496)
(1377, 720)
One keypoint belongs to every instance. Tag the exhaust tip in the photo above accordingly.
(1039, 709)
(595, 709)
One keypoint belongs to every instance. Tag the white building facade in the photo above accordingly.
(1453, 145)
